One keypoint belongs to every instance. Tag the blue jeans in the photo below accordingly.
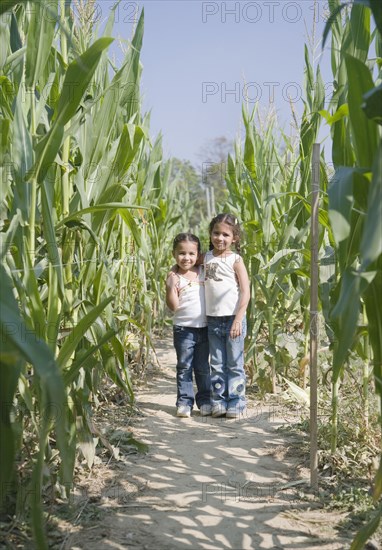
(192, 351)
(227, 363)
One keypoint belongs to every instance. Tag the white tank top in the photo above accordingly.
(191, 311)
(221, 284)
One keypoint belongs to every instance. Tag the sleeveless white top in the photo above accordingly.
(221, 285)
(191, 311)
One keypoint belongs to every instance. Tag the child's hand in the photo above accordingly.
(172, 281)
(172, 291)
(236, 330)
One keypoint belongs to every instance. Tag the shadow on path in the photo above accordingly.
(208, 483)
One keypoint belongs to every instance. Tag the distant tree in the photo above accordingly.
(213, 167)
(191, 181)
(204, 183)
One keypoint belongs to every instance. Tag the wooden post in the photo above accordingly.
(212, 195)
(208, 202)
(314, 315)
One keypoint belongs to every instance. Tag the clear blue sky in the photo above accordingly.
(200, 59)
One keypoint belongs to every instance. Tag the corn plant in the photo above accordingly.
(81, 184)
(267, 182)
(355, 194)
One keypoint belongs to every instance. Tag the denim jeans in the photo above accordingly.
(227, 363)
(192, 351)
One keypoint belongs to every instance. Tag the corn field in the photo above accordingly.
(85, 220)
(89, 208)
(270, 191)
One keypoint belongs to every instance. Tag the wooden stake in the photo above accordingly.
(314, 315)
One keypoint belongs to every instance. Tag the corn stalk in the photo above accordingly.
(267, 183)
(355, 194)
(79, 182)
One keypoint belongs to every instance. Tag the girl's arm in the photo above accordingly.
(242, 277)
(172, 296)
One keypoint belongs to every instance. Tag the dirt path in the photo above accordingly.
(206, 483)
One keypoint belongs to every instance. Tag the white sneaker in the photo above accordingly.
(218, 409)
(205, 410)
(236, 412)
(183, 411)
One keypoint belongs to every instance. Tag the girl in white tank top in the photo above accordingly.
(185, 297)
(227, 295)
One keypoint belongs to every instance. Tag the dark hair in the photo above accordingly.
(186, 237)
(230, 220)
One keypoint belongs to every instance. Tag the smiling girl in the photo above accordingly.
(185, 297)
(227, 295)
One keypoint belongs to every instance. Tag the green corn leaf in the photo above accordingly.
(15, 39)
(77, 333)
(134, 228)
(42, 105)
(119, 352)
(110, 206)
(50, 235)
(341, 112)
(278, 256)
(365, 132)
(7, 5)
(77, 79)
(46, 151)
(319, 94)
(346, 314)
(39, 40)
(130, 96)
(372, 105)
(122, 90)
(341, 202)
(111, 20)
(7, 238)
(29, 347)
(128, 145)
(84, 436)
(10, 368)
(249, 145)
(34, 301)
(122, 380)
(22, 154)
(360, 31)
(308, 78)
(72, 372)
(376, 8)
(378, 483)
(372, 297)
(6, 97)
(342, 151)
(371, 245)
(347, 195)
(334, 14)
(366, 532)
(53, 317)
